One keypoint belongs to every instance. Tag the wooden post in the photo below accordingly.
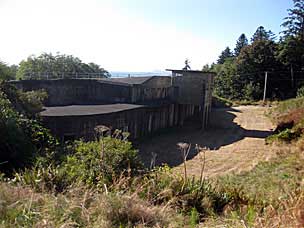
(265, 86)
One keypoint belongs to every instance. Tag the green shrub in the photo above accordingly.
(91, 163)
(99, 161)
(300, 92)
(288, 116)
(252, 92)
(287, 135)
(22, 139)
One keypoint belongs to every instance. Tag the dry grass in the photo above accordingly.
(274, 192)
(294, 116)
(79, 207)
(291, 214)
(131, 211)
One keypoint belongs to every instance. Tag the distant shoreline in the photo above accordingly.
(123, 74)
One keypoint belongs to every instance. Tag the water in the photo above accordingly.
(122, 74)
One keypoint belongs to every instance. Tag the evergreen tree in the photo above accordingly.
(294, 23)
(226, 83)
(240, 43)
(291, 48)
(291, 53)
(261, 34)
(224, 55)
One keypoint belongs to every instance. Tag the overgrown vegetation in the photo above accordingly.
(289, 118)
(21, 137)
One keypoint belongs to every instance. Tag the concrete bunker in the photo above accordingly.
(139, 105)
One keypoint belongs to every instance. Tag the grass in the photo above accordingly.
(268, 181)
(80, 207)
(285, 107)
(270, 195)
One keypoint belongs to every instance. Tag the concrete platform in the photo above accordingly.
(86, 110)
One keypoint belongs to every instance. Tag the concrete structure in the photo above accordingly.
(140, 105)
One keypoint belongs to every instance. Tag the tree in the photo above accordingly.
(291, 52)
(261, 34)
(294, 22)
(259, 56)
(291, 48)
(7, 72)
(240, 43)
(227, 80)
(56, 66)
(252, 63)
(224, 55)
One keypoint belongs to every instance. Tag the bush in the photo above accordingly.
(27, 103)
(300, 92)
(252, 92)
(21, 139)
(289, 118)
(99, 161)
(90, 163)
(286, 135)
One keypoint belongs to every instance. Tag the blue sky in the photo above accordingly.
(222, 20)
(133, 35)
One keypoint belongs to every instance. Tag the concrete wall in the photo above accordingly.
(158, 82)
(142, 94)
(139, 122)
(87, 91)
(195, 89)
(191, 87)
(78, 91)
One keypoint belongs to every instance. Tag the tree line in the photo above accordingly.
(241, 72)
(48, 65)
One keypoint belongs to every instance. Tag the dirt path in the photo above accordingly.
(235, 138)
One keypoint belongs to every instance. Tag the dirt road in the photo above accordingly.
(235, 138)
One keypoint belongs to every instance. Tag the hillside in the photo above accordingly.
(243, 180)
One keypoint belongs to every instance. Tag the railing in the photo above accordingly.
(65, 75)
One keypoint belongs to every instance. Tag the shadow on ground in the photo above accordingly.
(223, 130)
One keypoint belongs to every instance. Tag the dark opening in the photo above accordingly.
(69, 137)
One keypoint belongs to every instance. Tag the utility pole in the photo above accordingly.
(265, 86)
(292, 76)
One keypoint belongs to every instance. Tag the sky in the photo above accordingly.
(133, 35)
